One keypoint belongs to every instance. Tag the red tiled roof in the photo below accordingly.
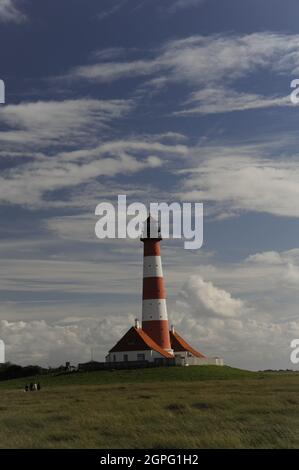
(137, 340)
(179, 344)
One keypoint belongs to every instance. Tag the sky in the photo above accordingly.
(160, 100)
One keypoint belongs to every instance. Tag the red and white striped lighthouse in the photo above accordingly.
(154, 343)
(154, 310)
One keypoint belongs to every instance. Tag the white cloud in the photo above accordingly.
(224, 100)
(70, 339)
(213, 62)
(205, 299)
(9, 11)
(232, 310)
(108, 71)
(283, 266)
(73, 124)
(206, 59)
(222, 59)
(54, 122)
(239, 181)
(28, 183)
(252, 337)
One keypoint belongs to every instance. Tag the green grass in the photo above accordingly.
(159, 374)
(195, 407)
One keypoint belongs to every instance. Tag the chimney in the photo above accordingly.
(137, 323)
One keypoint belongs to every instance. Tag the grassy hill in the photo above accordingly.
(159, 374)
(192, 407)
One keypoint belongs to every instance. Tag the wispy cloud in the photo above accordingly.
(29, 183)
(208, 64)
(225, 100)
(111, 11)
(9, 12)
(69, 121)
(183, 4)
(199, 60)
(237, 182)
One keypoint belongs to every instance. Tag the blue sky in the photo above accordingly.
(184, 100)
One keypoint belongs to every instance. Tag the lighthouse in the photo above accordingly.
(153, 341)
(154, 309)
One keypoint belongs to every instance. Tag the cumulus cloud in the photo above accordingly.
(252, 343)
(284, 264)
(219, 324)
(232, 310)
(268, 278)
(205, 299)
(70, 339)
(9, 12)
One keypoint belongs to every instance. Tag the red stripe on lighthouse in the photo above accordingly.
(158, 330)
(153, 288)
(151, 247)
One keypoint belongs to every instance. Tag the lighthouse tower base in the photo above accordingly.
(137, 347)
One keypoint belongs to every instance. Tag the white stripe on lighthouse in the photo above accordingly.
(154, 309)
(152, 266)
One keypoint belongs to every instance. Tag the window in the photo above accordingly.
(140, 357)
(114, 358)
(158, 360)
(126, 358)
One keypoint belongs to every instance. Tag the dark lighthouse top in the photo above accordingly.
(151, 230)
